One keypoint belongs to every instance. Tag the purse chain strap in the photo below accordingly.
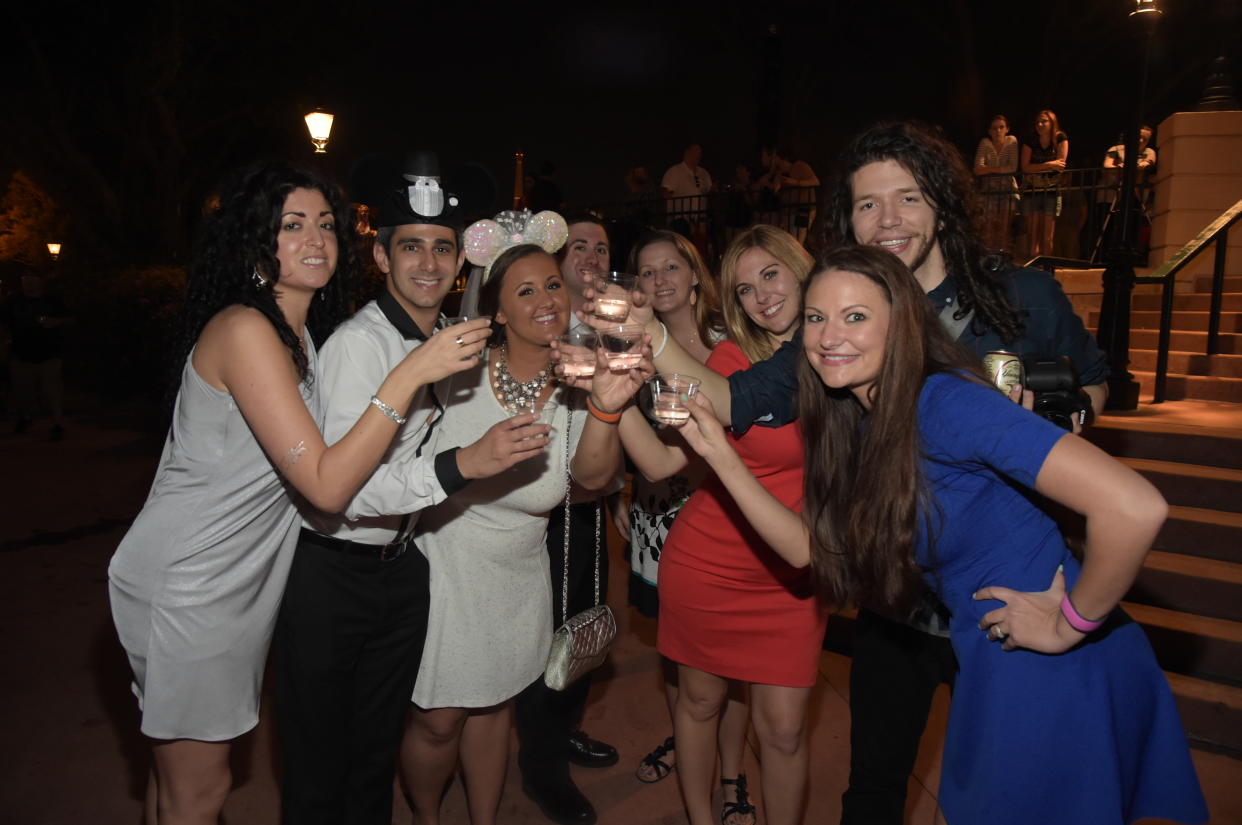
(565, 566)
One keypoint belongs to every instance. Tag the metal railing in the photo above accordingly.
(1087, 197)
(712, 219)
(1217, 232)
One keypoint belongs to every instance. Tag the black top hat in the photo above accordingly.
(417, 196)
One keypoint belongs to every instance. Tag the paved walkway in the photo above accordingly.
(71, 749)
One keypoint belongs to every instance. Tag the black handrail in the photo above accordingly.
(1216, 232)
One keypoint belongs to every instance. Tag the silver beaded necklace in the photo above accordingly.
(515, 394)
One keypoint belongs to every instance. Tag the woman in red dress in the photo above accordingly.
(731, 610)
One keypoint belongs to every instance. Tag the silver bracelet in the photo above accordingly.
(663, 343)
(387, 410)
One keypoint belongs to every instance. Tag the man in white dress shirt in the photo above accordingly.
(683, 185)
(354, 616)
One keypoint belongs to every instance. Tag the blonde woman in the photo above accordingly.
(731, 611)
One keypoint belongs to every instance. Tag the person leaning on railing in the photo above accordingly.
(996, 160)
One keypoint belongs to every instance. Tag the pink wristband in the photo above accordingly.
(1075, 620)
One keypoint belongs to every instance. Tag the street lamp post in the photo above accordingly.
(1114, 331)
(319, 124)
(53, 249)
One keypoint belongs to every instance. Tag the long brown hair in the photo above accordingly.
(1054, 127)
(864, 487)
(707, 318)
(751, 338)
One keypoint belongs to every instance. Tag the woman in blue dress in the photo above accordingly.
(919, 474)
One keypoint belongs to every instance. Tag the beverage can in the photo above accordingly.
(1004, 369)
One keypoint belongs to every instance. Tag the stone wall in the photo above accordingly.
(1198, 176)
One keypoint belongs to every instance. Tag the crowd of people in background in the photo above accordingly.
(1024, 177)
(404, 500)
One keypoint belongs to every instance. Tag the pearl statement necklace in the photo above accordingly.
(515, 394)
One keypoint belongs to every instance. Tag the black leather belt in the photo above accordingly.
(384, 552)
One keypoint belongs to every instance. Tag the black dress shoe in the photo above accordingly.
(590, 753)
(560, 800)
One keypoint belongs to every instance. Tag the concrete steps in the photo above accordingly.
(1218, 366)
(1202, 387)
(1183, 320)
(1209, 534)
(1193, 645)
(1233, 283)
(1191, 302)
(1230, 343)
(1193, 485)
(1122, 435)
(1191, 584)
(1191, 373)
(1188, 596)
(1211, 711)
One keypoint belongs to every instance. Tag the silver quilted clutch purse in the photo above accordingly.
(581, 644)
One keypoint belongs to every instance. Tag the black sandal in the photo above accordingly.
(742, 806)
(655, 761)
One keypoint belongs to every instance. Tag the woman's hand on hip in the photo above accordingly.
(1029, 620)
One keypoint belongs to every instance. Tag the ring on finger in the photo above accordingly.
(460, 341)
(997, 634)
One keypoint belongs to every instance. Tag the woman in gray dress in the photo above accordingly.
(490, 623)
(197, 580)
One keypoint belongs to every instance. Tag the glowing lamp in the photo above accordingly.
(319, 124)
(53, 249)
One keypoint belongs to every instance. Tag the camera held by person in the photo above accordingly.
(1058, 395)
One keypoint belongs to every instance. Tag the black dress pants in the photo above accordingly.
(895, 672)
(348, 643)
(545, 718)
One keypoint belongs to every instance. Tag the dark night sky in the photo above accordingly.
(150, 108)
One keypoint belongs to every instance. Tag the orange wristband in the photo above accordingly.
(602, 415)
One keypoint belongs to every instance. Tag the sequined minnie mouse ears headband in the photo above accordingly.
(485, 240)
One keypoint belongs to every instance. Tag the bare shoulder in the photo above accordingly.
(235, 334)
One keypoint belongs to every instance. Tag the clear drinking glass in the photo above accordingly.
(623, 345)
(612, 295)
(577, 352)
(670, 392)
(546, 410)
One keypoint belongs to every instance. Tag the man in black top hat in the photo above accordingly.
(352, 624)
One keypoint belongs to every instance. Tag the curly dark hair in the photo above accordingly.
(238, 238)
(947, 184)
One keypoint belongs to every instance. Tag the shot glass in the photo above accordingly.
(454, 320)
(577, 352)
(669, 393)
(546, 410)
(623, 345)
(449, 321)
(612, 295)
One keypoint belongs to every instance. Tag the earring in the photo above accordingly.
(323, 295)
(257, 278)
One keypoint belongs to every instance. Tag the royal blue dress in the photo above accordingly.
(1090, 736)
